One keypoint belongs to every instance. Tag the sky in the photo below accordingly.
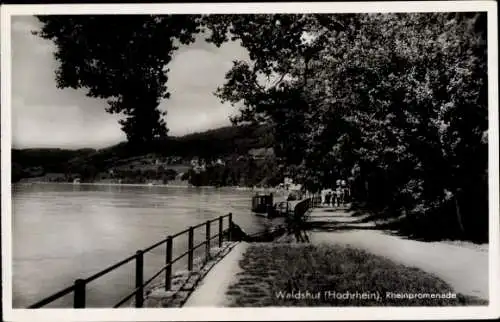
(45, 116)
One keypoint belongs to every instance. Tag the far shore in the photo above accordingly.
(143, 185)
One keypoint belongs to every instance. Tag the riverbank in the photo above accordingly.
(218, 280)
(291, 275)
(146, 185)
(344, 256)
(185, 282)
(297, 274)
(107, 184)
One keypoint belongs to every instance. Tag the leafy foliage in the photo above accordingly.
(396, 102)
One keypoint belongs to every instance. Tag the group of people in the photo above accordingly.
(338, 196)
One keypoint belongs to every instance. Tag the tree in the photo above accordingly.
(397, 100)
(123, 59)
(271, 86)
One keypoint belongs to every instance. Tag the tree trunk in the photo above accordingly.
(458, 211)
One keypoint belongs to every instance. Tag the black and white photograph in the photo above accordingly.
(309, 157)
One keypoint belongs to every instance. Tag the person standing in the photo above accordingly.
(343, 186)
(339, 196)
(323, 197)
(328, 197)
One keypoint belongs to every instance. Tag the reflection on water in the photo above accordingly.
(62, 232)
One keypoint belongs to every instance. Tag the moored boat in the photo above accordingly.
(261, 203)
(265, 205)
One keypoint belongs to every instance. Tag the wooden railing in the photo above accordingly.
(304, 205)
(79, 286)
(299, 210)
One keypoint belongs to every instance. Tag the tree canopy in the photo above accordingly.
(397, 103)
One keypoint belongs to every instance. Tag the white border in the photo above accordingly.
(235, 314)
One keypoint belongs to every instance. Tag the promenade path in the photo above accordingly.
(212, 289)
(464, 268)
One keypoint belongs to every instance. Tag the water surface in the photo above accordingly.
(61, 232)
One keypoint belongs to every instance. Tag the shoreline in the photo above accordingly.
(143, 185)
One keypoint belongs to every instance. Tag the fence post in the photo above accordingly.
(168, 261)
(139, 279)
(230, 227)
(79, 294)
(190, 249)
(220, 231)
(207, 241)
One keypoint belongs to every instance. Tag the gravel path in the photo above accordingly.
(464, 268)
(212, 289)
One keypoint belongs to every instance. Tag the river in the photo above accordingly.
(61, 232)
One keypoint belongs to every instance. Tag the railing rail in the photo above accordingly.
(303, 206)
(79, 286)
(299, 211)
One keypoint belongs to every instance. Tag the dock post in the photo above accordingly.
(207, 241)
(79, 294)
(168, 261)
(139, 279)
(221, 233)
(230, 227)
(190, 249)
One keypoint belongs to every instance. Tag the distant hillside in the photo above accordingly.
(34, 162)
(162, 162)
(222, 141)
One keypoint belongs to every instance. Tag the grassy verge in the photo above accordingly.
(307, 275)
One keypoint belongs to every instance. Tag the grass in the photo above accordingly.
(269, 270)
